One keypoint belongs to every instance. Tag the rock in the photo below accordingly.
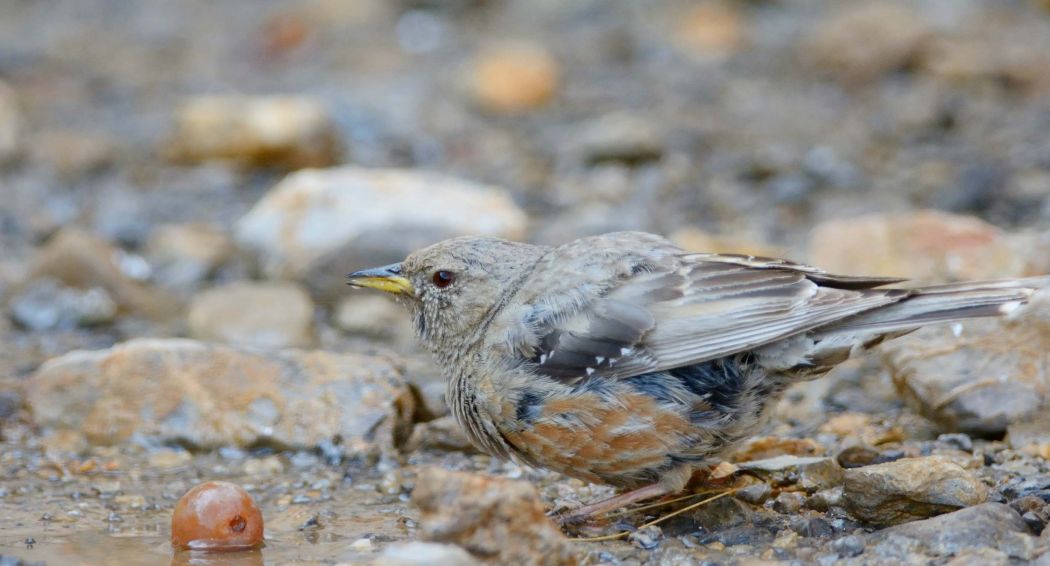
(374, 316)
(79, 259)
(514, 77)
(755, 494)
(925, 246)
(264, 315)
(9, 123)
(209, 396)
(1011, 60)
(497, 520)
(619, 138)
(646, 538)
(862, 428)
(425, 554)
(860, 41)
(858, 456)
(721, 514)
(440, 434)
(1034, 511)
(1031, 435)
(184, 255)
(580, 221)
(990, 525)
(276, 131)
(696, 240)
(788, 502)
(825, 499)
(766, 447)
(1021, 487)
(809, 473)
(311, 214)
(11, 401)
(979, 557)
(50, 305)
(979, 381)
(848, 546)
(711, 29)
(74, 154)
(909, 489)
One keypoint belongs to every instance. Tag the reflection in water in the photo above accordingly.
(203, 558)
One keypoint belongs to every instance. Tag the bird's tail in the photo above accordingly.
(941, 304)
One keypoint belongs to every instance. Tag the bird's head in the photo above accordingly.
(451, 287)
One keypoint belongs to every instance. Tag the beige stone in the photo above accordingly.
(499, 521)
(260, 314)
(513, 77)
(272, 131)
(211, 395)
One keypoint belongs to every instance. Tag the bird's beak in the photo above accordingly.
(387, 278)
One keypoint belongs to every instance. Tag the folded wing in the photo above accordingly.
(698, 308)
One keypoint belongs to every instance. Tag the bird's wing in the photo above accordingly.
(696, 308)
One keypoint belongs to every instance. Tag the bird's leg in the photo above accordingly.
(590, 511)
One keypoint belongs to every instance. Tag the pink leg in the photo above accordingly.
(588, 512)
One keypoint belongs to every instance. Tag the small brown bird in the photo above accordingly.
(623, 359)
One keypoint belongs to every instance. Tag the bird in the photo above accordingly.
(623, 359)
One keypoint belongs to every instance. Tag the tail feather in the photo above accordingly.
(942, 304)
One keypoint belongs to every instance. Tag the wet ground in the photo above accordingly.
(730, 126)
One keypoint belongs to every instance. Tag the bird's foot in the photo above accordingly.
(590, 512)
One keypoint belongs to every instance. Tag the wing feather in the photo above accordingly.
(697, 308)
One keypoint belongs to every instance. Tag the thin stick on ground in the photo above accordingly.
(660, 519)
(633, 510)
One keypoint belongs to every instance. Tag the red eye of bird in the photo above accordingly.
(443, 278)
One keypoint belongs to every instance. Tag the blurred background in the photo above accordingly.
(212, 169)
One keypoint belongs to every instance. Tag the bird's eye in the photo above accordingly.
(443, 278)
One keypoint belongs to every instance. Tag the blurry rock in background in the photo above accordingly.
(857, 42)
(1031, 434)
(288, 132)
(513, 76)
(978, 377)
(208, 396)
(185, 255)
(271, 315)
(10, 123)
(314, 218)
(617, 138)
(924, 246)
(81, 260)
(47, 304)
(376, 317)
(74, 154)
(695, 240)
(711, 29)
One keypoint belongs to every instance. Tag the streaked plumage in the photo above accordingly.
(625, 360)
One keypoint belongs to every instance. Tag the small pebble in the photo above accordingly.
(788, 502)
(647, 538)
(958, 440)
(848, 546)
(755, 494)
(362, 545)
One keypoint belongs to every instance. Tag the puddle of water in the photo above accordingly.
(312, 515)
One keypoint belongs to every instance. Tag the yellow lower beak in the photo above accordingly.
(387, 278)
